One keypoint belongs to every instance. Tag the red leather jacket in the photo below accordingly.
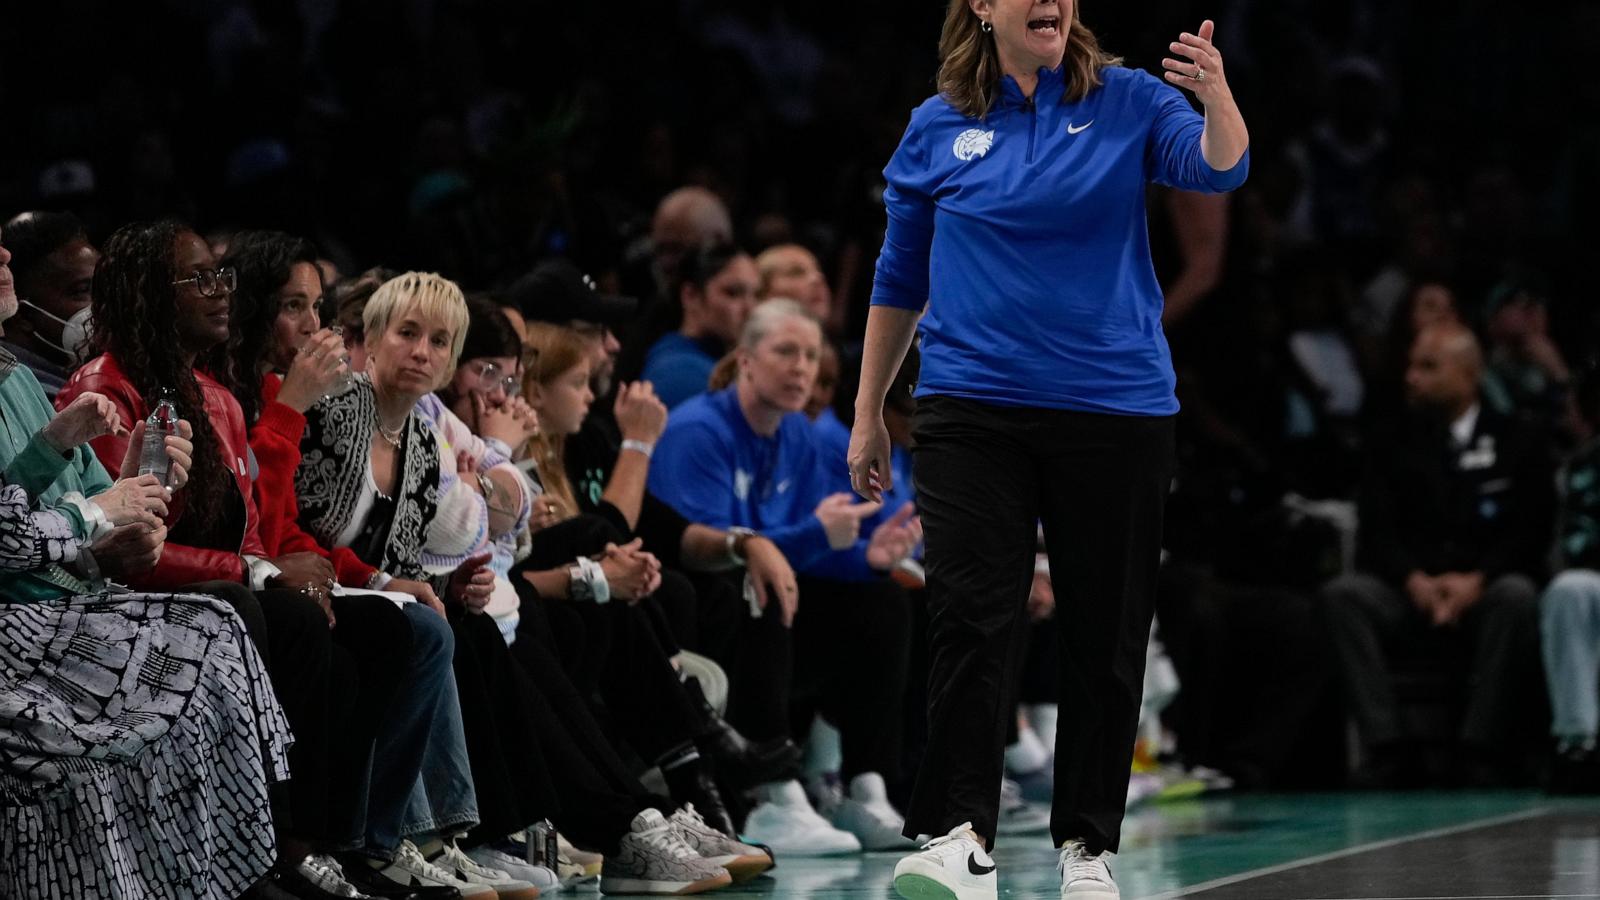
(180, 564)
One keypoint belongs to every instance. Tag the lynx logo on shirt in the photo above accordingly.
(973, 143)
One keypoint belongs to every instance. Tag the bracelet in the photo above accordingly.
(732, 539)
(644, 447)
(587, 581)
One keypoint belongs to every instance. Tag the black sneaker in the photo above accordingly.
(1575, 771)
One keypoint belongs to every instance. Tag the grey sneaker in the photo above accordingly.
(653, 859)
(742, 861)
(1085, 875)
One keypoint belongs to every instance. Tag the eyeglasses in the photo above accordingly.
(491, 376)
(211, 282)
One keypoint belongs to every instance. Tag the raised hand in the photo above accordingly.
(641, 416)
(512, 422)
(88, 416)
(841, 518)
(316, 370)
(1198, 66)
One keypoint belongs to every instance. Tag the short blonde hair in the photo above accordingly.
(428, 295)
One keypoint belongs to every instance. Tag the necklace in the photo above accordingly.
(393, 437)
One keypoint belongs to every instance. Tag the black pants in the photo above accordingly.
(986, 476)
(1373, 621)
(510, 777)
(616, 649)
(348, 675)
(852, 650)
(757, 653)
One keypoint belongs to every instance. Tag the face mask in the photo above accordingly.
(74, 331)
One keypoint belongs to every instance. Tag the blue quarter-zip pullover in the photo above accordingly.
(713, 468)
(1023, 235)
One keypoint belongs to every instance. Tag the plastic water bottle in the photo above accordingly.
(162, 421)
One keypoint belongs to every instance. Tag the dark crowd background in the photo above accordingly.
(1395, 145)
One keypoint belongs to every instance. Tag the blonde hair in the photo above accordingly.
(556, 349)
(429, 296)
(766, 316)
(969, 62)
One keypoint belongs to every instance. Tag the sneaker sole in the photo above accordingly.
(610, 885)
(523, 893)
(744, 868)
(921, 887)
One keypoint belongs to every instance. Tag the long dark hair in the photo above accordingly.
(264, 260)
(698, 267)
(136, 320)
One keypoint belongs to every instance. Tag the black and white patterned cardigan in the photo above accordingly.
(334, 455)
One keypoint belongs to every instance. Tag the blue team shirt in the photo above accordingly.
(713, 468)
(1023, 236)
(678, 368)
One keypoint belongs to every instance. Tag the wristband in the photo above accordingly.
(588, 581)
(732, 540)
(644, 447)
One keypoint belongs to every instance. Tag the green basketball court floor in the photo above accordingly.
(1438, 846)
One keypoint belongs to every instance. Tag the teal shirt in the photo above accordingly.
(47, 476)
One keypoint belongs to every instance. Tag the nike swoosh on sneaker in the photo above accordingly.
(1074, 129)
(975, 868)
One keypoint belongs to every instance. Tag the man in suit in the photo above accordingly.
(1456, 516)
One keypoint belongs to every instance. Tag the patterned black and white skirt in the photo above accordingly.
(138, 735)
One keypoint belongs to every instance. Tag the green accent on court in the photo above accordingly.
(1171, 846)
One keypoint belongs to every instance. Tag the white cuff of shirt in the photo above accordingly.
(257, 571)
(93, 516)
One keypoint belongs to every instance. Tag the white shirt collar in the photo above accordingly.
(1461, 429)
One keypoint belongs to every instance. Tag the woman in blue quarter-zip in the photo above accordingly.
(1016, 232)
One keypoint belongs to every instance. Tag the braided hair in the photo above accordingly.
(264, 261)
(136, 321)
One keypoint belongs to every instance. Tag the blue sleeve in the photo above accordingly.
(1173, 156)
(677, 376)
(692, 471)
(902, 274)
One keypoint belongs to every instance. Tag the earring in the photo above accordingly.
(986, 27)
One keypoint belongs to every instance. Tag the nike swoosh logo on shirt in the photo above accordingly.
(975, 868)
(1074, 129)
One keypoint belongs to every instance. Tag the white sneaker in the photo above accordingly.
(865, 812)
(410, 869)
(1085, 876)
(469, 871)
(742, 861)
(576, 866)
(1018, 816)
(786, 822)
(540, 877)
(322, 871)
(954, 867)
(653, 859)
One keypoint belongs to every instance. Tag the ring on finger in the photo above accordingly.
(1199, 74)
